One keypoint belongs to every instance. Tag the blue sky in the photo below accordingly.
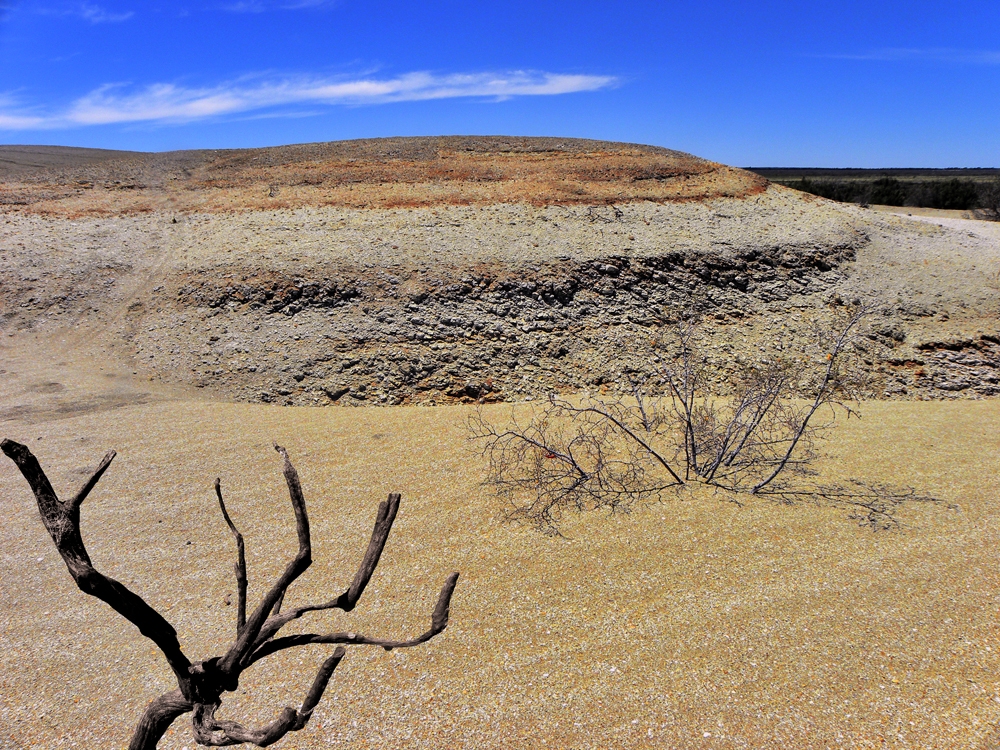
(762, 83)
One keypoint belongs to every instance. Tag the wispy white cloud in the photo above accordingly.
(12, 119)
(935, 54)
(97, 14)
(262, 6)
(20, 122)
(165, 102)
(245, 7)
(87, 11)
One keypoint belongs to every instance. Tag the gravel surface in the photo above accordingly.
(687, 623)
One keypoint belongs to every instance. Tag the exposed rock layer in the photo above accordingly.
(509, 294)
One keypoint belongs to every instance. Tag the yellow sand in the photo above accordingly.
(688, 623)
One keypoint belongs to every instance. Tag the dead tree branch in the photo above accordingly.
(62, 521)
(825, 394)
(202, 684)
(241, 562)
(566, 457)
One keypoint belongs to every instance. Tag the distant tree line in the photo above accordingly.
(956, 194)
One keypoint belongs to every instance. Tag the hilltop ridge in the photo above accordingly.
(371, 173)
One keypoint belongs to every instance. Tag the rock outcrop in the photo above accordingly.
(498, 278)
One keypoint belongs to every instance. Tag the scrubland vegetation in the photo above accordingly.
(957, 190)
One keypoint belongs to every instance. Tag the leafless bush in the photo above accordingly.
(202, 684)
(746, 442)
(573, 456)
(669, 430)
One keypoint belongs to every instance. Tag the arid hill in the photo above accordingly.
(441, 269)
(379, 173)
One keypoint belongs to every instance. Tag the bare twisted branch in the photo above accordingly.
(241, 562)
(229, 663)
(202, 684)
(62, 521)
(220, 733)
(387, 511)
(439, 621)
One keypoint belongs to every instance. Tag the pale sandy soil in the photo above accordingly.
(144, 292)
(972, 227)
(947, 265)
(437, 270)
(689, 623)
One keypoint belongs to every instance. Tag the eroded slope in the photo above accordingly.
(489, 299)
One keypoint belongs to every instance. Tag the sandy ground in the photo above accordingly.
(946, 264)
(688, 623)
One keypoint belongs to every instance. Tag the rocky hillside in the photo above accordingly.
(439, 269)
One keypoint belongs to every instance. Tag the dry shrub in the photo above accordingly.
(609, 452)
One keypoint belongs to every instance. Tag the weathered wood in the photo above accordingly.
(157, 718)
(439, 621)
(241, 562)
(218, 733)
(62, 520)
(387, 511)
(231, 662)
(201, 684)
